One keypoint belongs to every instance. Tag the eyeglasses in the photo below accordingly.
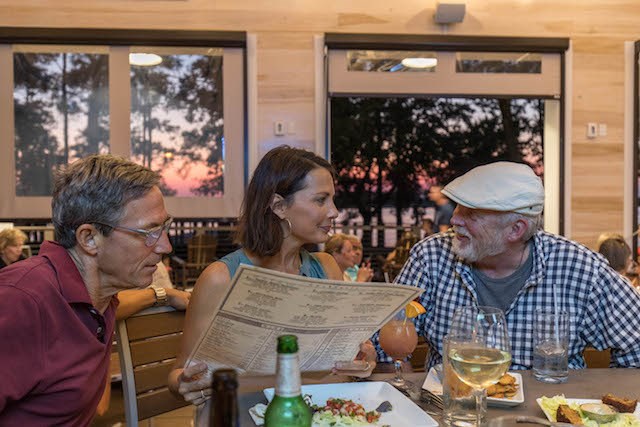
(151, 236)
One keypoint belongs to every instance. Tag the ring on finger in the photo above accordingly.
(202, 393)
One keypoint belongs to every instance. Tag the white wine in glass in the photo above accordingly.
(479, 349)
(479, 367)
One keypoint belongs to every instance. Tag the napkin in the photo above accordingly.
(257, 413)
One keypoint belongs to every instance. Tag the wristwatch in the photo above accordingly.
(161, 296)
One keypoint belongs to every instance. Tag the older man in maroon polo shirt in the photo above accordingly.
(57, 309)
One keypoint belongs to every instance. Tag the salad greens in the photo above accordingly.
(550, 407)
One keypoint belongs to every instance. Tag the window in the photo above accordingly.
(177, 120)
(391, 61)
(392, 135)
(65, 94)
(495, 62)
(61, 111)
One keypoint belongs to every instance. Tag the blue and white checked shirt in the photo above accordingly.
(604, 310)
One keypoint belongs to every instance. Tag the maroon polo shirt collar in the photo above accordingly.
(72, 285)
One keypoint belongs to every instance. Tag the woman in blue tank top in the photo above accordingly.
(289, 203)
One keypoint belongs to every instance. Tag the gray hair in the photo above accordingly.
(96, 189)
(534, 223)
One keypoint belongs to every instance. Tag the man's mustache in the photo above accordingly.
(460, 231)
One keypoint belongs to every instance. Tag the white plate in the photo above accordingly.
(433, 384)
(370, 395)
(552, 417)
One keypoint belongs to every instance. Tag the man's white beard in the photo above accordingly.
(476, 250)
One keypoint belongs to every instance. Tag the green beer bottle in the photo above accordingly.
(288, 408)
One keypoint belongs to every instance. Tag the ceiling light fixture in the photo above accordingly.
(419, 62)
(144, 59)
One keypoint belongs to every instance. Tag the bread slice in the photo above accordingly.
(620, 403)
(565, 414)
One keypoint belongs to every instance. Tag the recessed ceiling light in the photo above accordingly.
(419, 62)
(144, 59)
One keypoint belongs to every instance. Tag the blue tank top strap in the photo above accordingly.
(310, 266)
(234, 259)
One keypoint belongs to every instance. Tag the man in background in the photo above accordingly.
(57, 309)
(444, 209)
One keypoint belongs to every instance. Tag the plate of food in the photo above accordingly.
(366, 403)
(507, 392)
(609, 411)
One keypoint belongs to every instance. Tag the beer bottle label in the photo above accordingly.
(288, 375)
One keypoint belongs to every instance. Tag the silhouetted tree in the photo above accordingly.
(383, 148)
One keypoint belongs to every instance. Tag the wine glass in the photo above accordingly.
(398, 339)
(479, 350)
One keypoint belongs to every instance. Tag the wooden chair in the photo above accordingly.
(597, 358)
(201, 251)
(148, 344)
(419, 356)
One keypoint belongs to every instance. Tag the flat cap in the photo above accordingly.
(500, 186)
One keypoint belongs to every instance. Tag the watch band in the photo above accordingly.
(161, 296)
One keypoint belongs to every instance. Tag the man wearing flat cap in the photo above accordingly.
(496, 255)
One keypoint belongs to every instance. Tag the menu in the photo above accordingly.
(330, 319)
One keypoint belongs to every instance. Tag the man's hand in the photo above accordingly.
(178, 299)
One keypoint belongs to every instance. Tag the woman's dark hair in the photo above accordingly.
(283, 171)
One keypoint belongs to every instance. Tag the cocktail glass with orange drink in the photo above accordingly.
(398, 339)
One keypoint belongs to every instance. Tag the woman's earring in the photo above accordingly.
(290, 227)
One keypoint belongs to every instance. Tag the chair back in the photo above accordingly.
(597, 358)
(201, 249)
(148, 344)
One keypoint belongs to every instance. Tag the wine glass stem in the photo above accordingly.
(478, 395)
(397, 364)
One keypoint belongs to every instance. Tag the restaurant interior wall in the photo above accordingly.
(286, 72)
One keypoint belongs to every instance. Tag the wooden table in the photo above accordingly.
(586, 384)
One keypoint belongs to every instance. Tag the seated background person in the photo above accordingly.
(352, 272)
(340, 246)
(495, 255)
(618, 253)
(11, 241)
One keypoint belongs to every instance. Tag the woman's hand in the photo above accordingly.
(365, 273)
(367, 353)
(194, 383)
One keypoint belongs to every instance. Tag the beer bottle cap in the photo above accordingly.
(287, 344)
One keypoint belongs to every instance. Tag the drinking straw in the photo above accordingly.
(556, 314)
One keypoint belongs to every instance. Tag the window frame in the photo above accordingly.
(543, 45)
(118, 42)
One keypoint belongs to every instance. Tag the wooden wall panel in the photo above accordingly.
(285, 31)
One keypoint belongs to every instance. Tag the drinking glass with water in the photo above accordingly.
(550, 346)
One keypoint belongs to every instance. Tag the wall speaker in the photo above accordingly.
(449, 13)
